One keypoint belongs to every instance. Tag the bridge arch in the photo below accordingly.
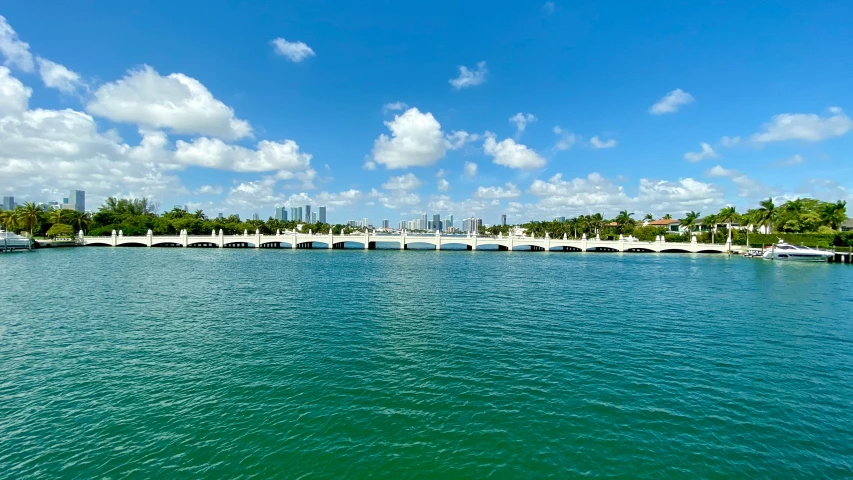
(674, 250)
(419, 245)
(239, 245)
(710, 251)
(602, 249)
(202, 245)
(131, 244)
(98, 243)
(166, 244)
(566, 248)
(639, 250)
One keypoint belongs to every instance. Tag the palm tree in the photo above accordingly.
(28, 215)
(649, 216)
(833, 214)
(8, 219)
(81, 220)
(766, 214)
(728, 215)
(667, 217)
(711, 221)
(199, 214)
(55, 216)
(690, 220)
(623, 219)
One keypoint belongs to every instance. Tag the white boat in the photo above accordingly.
(793, 253)
(9, 241)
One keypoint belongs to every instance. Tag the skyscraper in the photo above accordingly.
(220, 215)
(280, 213)
(424, 222)
(77, 200)
(256, 216)
(503, 219)
(386, 224)
(8, 203)
(314, 217)
(448, 223)
(307, 213)
(436, 222)
(322, 214)
(364, 222)
(299, 217)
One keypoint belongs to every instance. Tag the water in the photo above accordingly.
(144, 363)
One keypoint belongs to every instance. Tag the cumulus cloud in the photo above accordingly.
(809, 127)
(511, 154)
(598, 143)
(57, 76)
(442, 185)
(295, 51)
(566, 139)
(746, 187)
(208, 190)
(460, 138)
(16, 52)
(790, 161)
(729, 142)
(396, 198)
(706, 152)
(369, 165)
(508, 191)
(470, 169)
(416, 141)
(521, 120)
(392, 107)
(214, 153)
(404, 182)
(469, 78)
(175, 102)
(595, 193)
(14, 96)
(671, 102)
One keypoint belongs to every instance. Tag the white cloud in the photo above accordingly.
(177, 102)
(404, 182)
(511, 191)
(17, 52)
(729, 142)
(57, 76)
(470, 169)
(746, 187)
(469, 78)
(392, 107)
(208, 190)
(598, 143)
(459, 138)
(416, 141)
(443, 185)
(595, 193)
(295, 51)
(521, 120)
(671, 102)
(707, 152)
(441, 173)
(369, 165)
(809, 127)
(511, 154)
(214, 153)
(791, 161)
(14, 96)
(566, 139)
(549, 7)
(396, 198)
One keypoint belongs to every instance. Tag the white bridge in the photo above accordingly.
(404, 239)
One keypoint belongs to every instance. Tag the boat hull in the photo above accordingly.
(796, 257)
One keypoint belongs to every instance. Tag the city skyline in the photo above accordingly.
(588, 119)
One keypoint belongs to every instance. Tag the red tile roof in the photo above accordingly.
(663, 222)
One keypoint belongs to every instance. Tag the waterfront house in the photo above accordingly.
(847, 225)
(670, 225)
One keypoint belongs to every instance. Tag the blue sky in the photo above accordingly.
(366, 107)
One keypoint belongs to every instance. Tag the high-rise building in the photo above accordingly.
(436, 222)
(307, 213)
(280, 213)
(255, 216)
(403, 225)
(386, 224)
(220, 215)
(559, 219)
(424, 222)
(322, 214)
(364, 222)
(314, 217)
(299, 217)
(448, 223)
(503, 219)
(77, 201)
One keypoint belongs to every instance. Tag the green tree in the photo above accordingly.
(60, 230)
(689, 220)
(766, 214)
(8, 219)
(728, 215)
(623, 220)
(81, 220)
(28, 215)
(667, 217)
(833, 215)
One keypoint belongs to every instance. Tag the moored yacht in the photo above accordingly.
(784, 251)
(9, 241)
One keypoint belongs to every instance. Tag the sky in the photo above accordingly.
(389, 110)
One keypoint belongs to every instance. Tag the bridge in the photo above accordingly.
(368, 241)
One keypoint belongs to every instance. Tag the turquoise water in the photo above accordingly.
(144, 363)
